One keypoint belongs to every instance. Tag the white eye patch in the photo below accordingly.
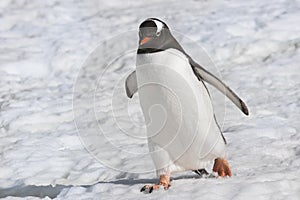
(159, 25)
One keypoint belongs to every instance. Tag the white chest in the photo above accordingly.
(169, 91)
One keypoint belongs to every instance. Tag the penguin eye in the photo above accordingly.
(158, 33)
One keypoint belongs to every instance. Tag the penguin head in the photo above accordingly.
(153, 33)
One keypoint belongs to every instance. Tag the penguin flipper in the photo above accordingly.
(203, 74)
(131, 84)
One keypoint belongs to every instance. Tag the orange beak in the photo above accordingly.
(145, 40)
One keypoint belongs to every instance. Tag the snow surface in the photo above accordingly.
(43, 65)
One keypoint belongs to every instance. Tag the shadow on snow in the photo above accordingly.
(53, 191)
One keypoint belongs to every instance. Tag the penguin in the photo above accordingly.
(182, 131)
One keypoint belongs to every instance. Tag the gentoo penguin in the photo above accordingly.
(182, 130)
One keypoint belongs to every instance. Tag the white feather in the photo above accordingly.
(159, 25)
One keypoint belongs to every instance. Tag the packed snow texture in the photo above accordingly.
(46, 66)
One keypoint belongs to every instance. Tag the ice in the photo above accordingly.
(254, 44)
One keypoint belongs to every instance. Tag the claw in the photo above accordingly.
(167, 187)
(201, 172)
(143, 188)
(151, 189)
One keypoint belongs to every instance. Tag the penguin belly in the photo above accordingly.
(181, 128)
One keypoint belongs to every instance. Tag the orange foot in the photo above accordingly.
(222, 167)
(164, 181)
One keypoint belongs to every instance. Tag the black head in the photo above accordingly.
(154, 35)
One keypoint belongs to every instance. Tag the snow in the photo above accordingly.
(55, 67)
